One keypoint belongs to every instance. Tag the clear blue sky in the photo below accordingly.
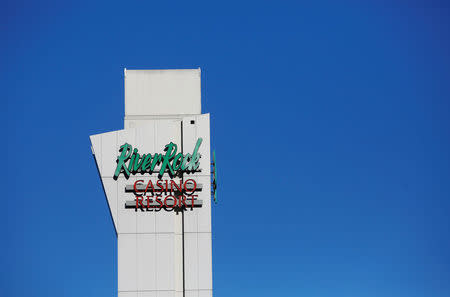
(331, 122)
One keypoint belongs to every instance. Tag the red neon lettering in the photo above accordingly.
(186, 188)
(159, 184)
(134, 186)
(148, 202)
(174, 203)
(149, 184)
(180, 188)
(182, 200)
(139, 202)
(159, 201)
(193, 200)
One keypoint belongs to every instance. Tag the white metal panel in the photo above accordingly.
(205, 293)
(146, 221)
(204, 261)
(167, 131)
(139, 122)
(162, 92)
(191, 293)
(178, 262)
(127, 262)
(148, 294)
(128, 294)
(199, 293)
(191, 261)
(198, 269)
(165, 221)
(146, 259)
(165, 261)
(191, 219)
(145, 137)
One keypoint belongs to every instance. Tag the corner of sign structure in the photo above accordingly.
(108, 184)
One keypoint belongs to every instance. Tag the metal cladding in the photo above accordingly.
(156, 174)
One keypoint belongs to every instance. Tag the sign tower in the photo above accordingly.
(156, 175)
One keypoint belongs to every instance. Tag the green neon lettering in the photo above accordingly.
(177, 161)
(156, 160)
(194, 163)
(131, 162)
(171, 150)
(186, 158)
(124, 156)
(138, 164)
(147, 162)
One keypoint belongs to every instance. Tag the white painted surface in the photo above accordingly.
(162, 92)
(146, 259)
(127, 264)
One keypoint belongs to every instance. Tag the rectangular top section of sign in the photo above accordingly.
(162, 93)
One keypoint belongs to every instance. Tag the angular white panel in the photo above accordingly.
(110, 187)
(165, 294)
(109, 152)
(96, 145)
